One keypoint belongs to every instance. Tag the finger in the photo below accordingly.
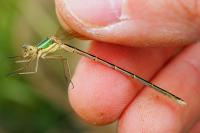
(100, 93)
(195, 128)
(133, 22)
(151, 112)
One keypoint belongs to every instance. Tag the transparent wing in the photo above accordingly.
(68, 35)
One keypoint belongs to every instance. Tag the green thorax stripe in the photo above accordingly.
(45, 43)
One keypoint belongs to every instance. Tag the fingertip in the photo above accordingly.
(95, 91)
(100, 93)
(146, 115)
(153, 112)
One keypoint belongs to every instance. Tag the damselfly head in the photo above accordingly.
(28, 50)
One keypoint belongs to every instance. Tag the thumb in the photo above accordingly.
(132, 22)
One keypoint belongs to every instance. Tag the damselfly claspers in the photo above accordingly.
(53, 44)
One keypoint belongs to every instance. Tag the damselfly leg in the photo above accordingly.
(16, 71)
(23, 61)
(35, 69)
(65, 63)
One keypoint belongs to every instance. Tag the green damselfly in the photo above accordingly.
(52, 44)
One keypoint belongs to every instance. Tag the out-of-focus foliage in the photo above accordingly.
(22, 109)
(33, 103)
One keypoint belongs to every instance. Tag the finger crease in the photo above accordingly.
(195, 68)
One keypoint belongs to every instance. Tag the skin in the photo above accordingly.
(102, 95)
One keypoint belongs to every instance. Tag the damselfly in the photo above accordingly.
(52, 44)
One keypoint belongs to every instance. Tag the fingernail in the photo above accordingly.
(96, 12)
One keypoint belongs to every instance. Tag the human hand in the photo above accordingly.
(102, 95)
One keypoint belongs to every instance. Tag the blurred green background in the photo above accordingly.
(35, 103)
